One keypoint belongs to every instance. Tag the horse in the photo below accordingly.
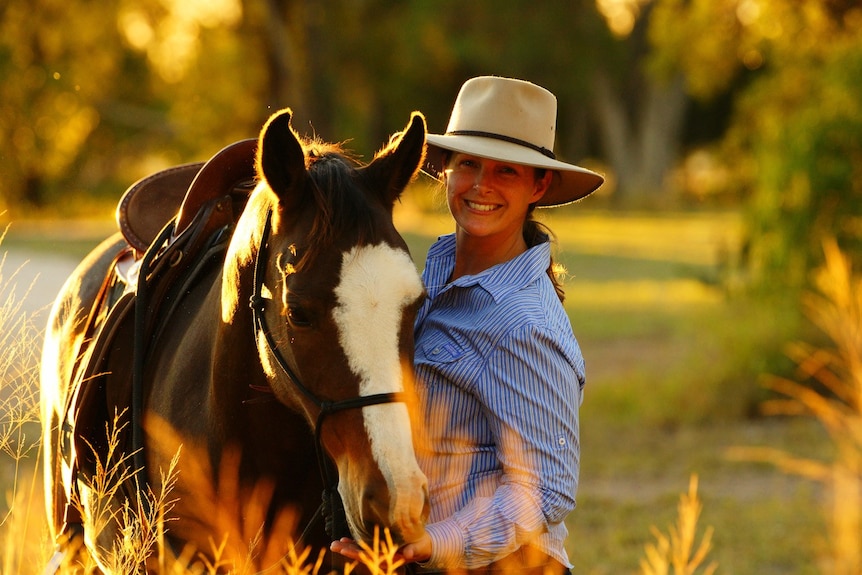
(291, 344)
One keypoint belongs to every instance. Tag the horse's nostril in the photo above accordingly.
(375, 506)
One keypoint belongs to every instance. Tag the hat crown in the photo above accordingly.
(514, 109)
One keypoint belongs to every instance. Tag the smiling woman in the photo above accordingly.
(499, 372)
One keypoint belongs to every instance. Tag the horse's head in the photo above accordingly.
(337, 297)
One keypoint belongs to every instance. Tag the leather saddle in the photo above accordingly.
(182, 191)
(177, 224)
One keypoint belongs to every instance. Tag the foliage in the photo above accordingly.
(676, 33)
(102, 93)
(50, 90)
(89, 112)
(98, 94)
(829, 389)
(795, 138)
(153, 83)
(797, 142)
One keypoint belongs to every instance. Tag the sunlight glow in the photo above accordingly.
(748, 11)
(171, 40)
(136, 28)
(621, 15)
(671, 294)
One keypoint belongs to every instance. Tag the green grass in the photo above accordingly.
(631, 475)
(673, 358)
(673, 361)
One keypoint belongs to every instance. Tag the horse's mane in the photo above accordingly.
(342, 206)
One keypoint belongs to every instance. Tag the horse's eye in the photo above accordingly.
(298, 317)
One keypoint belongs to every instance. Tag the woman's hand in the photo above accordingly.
(347, 547)
(415, 551)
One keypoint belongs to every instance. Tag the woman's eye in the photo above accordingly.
(298, 317)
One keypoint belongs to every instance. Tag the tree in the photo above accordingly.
(800, 124)
(50, 89)
(98, 94)
(105, 93)
(795, 139)
(639, 112)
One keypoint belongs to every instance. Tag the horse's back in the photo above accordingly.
(63, 344)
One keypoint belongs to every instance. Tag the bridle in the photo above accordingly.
(325, 407)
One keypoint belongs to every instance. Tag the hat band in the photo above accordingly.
(540, 149)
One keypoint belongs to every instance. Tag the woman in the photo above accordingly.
(499, 372)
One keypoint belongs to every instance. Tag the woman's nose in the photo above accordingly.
(480, 181)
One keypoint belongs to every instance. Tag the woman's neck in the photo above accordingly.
(474, 255)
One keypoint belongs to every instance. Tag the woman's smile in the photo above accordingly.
(480, 207)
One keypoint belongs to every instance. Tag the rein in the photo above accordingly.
(325, 407)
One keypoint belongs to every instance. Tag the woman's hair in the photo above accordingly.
(536, 232)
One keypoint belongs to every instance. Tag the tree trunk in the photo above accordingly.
(642, 146)
(285, 27)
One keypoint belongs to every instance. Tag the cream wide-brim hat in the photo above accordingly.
(511, 121)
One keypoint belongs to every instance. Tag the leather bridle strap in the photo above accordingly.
(326, 408)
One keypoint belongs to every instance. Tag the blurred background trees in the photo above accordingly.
(701, 113)
(740, 104)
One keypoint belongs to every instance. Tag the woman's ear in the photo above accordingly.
(542, 185)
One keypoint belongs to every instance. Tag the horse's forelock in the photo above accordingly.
(341, 206)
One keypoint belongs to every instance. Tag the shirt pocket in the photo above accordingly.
(443, 349)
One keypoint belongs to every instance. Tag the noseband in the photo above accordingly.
(325, 407)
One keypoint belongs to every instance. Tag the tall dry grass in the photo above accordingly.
(828, 386)
(676, 552)
(21, 530)
(140, 544)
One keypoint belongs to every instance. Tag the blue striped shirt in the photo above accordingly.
(499, 377)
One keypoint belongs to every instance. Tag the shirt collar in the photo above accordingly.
(499, 280)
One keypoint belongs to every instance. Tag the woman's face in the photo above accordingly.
(490, 198)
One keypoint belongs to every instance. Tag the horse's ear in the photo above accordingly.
(280, 160)
(395, 165)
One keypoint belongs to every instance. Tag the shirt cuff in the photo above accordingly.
(448, 544)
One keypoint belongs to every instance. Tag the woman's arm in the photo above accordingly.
(531, 392)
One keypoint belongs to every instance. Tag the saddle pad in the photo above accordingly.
(151, 202)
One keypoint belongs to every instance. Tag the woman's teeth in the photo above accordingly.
(480, 207)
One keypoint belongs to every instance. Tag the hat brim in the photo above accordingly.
(570, 183)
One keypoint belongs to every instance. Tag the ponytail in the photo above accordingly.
(536, 233)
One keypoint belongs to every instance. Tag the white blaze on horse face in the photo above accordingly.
(377, 283)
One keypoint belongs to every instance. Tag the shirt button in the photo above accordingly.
(561, 441)
(435, 351)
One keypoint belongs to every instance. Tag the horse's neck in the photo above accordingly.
(238, 270)
(235, 353)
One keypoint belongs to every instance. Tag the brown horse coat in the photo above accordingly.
(226, 433)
